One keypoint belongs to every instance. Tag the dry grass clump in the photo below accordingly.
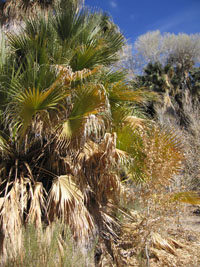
(51, 247)
(164, 157)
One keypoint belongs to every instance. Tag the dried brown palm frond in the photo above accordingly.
(88, 150)
(135, 122)
(14, 203)
(66, 203)
(99, 164)
(15, 213)
(38, 204)
(167, 244)
(17, 9)
(95, 127)
(96, 176)
(142, 242)
(67, 75)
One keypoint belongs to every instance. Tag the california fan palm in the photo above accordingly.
(66, 125)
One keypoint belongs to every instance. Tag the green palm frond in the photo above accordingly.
(68, 24)
(126, 138)
(25, 102)
(121, 98)
(80, 39)
(18, 43)
(34, 45)
(108, 76)
(119, 114)
(32, 100)
(86, 57)
(85, 35)
(120, 91)
(89, 56)
(89, 101)
(131, 148)
(35, 41)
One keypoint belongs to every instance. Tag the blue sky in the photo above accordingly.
(136, 17)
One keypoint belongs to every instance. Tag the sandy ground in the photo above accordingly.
(186, 230)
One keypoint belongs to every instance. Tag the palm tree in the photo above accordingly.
(56, 157)
(16, 10)
(66, 127)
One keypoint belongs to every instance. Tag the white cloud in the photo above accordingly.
(113, 4)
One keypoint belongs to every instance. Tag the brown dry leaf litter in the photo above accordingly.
(166, 242)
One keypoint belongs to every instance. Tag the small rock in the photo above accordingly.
(196, 212)
(191, 238)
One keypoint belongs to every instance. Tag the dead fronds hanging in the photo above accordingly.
(37, 209)
(13, 206)
(66, 204)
